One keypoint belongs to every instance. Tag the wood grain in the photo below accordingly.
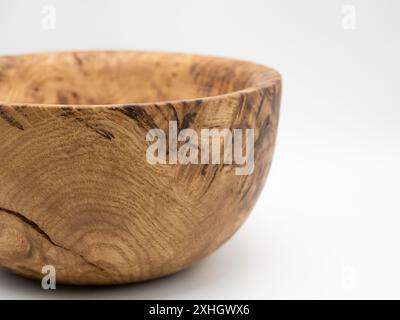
(76, 190)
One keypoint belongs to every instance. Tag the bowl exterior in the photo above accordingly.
(77, 191)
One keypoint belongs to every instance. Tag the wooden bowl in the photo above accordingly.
(77, 190)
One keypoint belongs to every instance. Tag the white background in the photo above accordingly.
(327, 223)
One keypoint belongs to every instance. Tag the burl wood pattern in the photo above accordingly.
(76, 190)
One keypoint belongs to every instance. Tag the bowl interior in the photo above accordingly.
(98, 78)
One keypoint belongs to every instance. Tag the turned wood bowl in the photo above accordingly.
(77, 189)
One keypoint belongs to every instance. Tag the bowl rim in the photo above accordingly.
(274, 77)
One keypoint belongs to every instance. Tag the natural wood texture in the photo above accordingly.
(76, 190)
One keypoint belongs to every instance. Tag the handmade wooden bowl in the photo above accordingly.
(76, 188)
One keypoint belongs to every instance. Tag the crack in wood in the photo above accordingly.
(39, 230)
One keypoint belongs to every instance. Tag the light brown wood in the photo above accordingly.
(76, 190)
